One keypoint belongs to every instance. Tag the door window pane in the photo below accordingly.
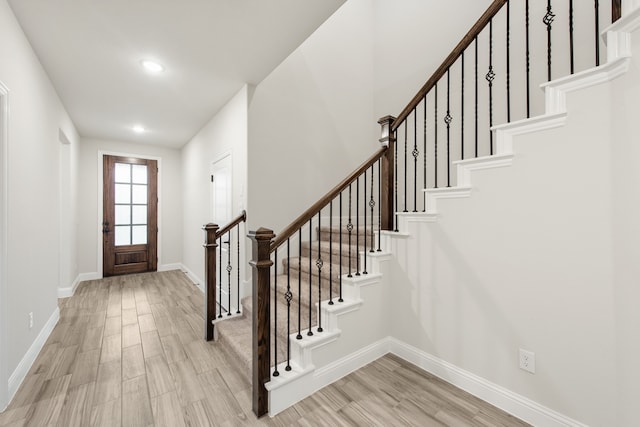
(123, 235)
(139, 174)
(139, 194)
(123, 214)
(123, 172)
(139, 215)
(123, 193)
(139, 235)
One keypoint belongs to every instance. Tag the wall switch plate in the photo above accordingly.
(30, 319)
(528, 361)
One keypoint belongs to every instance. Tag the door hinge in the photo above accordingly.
(211, 178)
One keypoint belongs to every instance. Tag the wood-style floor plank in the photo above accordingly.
(128, 351)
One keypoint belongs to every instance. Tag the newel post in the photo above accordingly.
(210, 279)
(387, 174)
(261, 338)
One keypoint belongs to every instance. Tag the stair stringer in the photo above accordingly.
(342, 347)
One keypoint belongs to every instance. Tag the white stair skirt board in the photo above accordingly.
(305, 378)
(25, 364)
(512, 403)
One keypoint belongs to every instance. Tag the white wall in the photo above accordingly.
(89, 195)
(225, 133)
(33, 208)
(543, 256)
(625, 198)
(311, 120)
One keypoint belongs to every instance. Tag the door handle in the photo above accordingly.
(105, 227)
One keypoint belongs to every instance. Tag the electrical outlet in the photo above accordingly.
(528, 361)
(30, 319)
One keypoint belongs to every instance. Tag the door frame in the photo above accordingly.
(99, 219)
(4, 139)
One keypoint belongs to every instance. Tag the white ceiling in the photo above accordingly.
(92, 50)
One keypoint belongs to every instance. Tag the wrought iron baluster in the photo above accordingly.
(508, 61)
(349, 229)
(275, 313)
(340, 246)
(238, 271)
(548, 20)
(331, 252)
(358, 226)
(319, 264)
(597, 14)
(309, 332)
(571, 62)
(424, 153)
(395, 181)
(435, 136)
(364, 271)
(415, 154)
(528, 58)
(491, 75)
(462, 107)
(229, 268)
(379, 206)
(447, 120)
(372, 204)
(299, 336)
(288, 296)
(476, 98)
(405, 166)
(220, 278)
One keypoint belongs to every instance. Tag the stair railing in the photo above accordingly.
(489, 79)
(315, 263)
(496, 96)
(217, 307)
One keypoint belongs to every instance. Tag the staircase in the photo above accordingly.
(305, 351)
(308, 286)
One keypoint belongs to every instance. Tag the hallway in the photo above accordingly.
(128, 350)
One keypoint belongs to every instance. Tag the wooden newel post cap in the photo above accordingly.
(386, 135)
(210, 226)
(262, 234)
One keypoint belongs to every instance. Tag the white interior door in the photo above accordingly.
(221, 214)
(221, 187)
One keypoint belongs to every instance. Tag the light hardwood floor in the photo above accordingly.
(128, 351)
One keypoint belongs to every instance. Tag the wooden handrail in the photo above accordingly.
(449, 61)
(616, 10)
(315, 208)
(224, 230)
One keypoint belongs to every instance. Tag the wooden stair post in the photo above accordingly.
(210, 279)
(261, 322)
(387, 174)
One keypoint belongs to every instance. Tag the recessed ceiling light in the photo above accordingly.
(138, 129)
(152, 67)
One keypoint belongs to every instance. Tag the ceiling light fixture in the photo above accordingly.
(152, 67)
(138, 129)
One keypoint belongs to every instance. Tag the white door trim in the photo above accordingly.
(4, 138)
(101, 154)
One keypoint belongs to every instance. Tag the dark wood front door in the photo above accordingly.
(130, 217)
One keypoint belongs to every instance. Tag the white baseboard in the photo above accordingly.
(69, 291)
(193, 277)
(510, 402)
(170, 267)
(27, 361)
